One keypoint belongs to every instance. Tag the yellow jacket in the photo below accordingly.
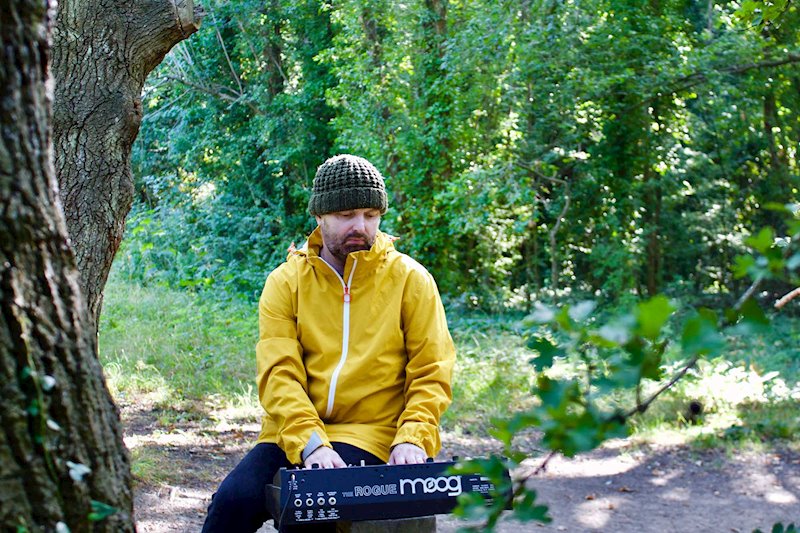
(365, 358)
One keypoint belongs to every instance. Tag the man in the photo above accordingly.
(354, 356)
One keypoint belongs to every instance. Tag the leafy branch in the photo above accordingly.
(620, 353)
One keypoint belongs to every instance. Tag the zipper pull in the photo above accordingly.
(346, 294)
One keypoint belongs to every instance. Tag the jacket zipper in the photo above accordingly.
(346, 297)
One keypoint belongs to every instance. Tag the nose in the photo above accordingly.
(359, 223)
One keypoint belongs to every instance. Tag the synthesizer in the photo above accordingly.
(309, 496)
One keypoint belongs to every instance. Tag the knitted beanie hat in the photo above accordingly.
(347, 182)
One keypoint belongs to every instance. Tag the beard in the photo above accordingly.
(340, 248)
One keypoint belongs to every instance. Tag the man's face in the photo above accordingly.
(349, 231)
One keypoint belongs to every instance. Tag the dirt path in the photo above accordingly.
(620, 488)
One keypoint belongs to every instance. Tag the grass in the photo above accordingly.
(153, 466)
(491, 376)
(749, 395)
(176, 346)
(183, 349)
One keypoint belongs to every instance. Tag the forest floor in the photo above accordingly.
(623, 487)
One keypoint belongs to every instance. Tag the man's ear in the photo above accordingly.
(319, 220)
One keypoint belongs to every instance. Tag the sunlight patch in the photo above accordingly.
(597, 513)
(585, 467)
(780, 496)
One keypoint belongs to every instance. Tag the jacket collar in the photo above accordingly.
(380, 248)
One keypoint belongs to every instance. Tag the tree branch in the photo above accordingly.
(787, 298)
(697, 78)
(641, 407)
(219, 91)
(225, 51)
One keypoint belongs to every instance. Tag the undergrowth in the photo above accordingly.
(176, 346)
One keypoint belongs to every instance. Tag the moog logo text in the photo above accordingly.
(449, 484)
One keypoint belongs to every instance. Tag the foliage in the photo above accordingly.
(533, 150)
(763, 12)
(617, 352)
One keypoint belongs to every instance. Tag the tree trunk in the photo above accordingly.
(60, 444)
(375, 33)
(437, 99)
(654, 249)
(102, 53)
(555, 269)
(274, 51)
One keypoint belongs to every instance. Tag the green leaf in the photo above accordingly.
(651, 363)
(753, 318)
(793, 262)
(547, 352)
(743, 265)
(763, 241)
(621, 375)
(526, 509)
(471, 506)
(101, 511)
(652, 315)
(563, 319)
(700, 336)
(554, 393)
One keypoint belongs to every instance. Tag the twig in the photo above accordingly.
(536, 471)
(538, 174)
(542, 467)
(642, 407)
(748, 293)
(225, 51)
(220, 91)
(787, 298)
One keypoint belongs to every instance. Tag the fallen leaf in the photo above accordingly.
(590, 497)
(626, 489)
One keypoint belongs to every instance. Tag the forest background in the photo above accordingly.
(611, 149)
(536, 153)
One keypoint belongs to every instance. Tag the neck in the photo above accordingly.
(329, 258)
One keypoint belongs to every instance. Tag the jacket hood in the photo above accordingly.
(382, 246)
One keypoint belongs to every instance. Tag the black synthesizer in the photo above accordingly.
(308, 496)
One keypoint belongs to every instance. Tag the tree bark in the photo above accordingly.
(102, 52)
(60, 440)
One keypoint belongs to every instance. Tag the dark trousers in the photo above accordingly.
(240, 503)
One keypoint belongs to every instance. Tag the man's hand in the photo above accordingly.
(325, 457)
(407, 454)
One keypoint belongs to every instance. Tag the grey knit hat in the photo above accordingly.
(347, 182)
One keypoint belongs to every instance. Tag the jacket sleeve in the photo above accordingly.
(282, 379)
(431, 356)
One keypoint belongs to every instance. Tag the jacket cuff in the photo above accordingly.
(426, 436)
(313, 443)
